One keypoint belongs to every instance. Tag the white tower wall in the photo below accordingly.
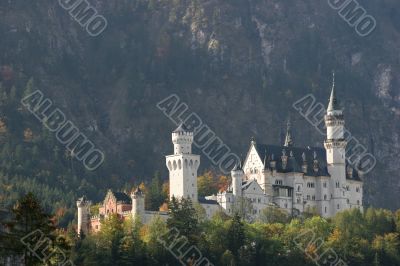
(83, 215)
(237, 179)
(138, 209)
(335, 146)
(183, 166)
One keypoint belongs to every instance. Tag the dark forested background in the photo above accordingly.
(238, 64)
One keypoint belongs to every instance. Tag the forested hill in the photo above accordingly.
(240, 65)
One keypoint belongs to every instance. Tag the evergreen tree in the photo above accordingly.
(155, 196)
(183, 218)
(30, 226)
(236, 236)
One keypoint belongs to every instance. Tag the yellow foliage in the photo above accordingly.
(164, 207)
(3, 127)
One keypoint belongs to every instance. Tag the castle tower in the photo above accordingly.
(83, 215)
(288, 137)
(237, 179)
(183, 165)
(335, 146)
(138, 204)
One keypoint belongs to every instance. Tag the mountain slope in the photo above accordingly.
(240, 65)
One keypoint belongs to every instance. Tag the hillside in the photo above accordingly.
(240, 65)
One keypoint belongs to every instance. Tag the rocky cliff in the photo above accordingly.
(239, 64)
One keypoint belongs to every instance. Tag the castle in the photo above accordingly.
(293, 179)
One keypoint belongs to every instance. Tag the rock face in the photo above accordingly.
(240, 65)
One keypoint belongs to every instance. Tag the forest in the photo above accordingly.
(351, 237)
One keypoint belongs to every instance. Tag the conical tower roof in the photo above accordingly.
(333, 102)
(182, 128)
(288, 138)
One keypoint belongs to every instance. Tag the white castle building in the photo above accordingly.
(294, 179)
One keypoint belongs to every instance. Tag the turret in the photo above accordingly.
(237, 179)
(334, 120)
(183, 165)
(182, 138)
(137, 204)
(83, 215)
(335, 146)
(288, 137)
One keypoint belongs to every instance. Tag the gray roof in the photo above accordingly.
(295, 158)
(333, 102)
(121, 196)
(206, 201)
(182, 128)
(352, 175)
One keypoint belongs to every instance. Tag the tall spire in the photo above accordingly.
(288, 138)
(333, 102)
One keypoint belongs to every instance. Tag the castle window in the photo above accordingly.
(313, 197)
(259, 200)
(298, 200)
(325, 209)
(311, 184)
(289, 193)
(286, 205)
(278, 182)
(298, 188)
(337, 184)
(358, 202)
(308, 197)
(338, 206)
(348, 201)
(324, 184)
(325, 197)
(357, 189)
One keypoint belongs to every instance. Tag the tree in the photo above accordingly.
(227, 259)
(131, 247)
(109, 238)
(157, 253)
(155, 195)
(183, 218)
(274, 215)
(235, 235)
(206, 184)
(244, 208)
(29, 224)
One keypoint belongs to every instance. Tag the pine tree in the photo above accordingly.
(183, 218)
(155, 196)
(236, 237)
(29, 225)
